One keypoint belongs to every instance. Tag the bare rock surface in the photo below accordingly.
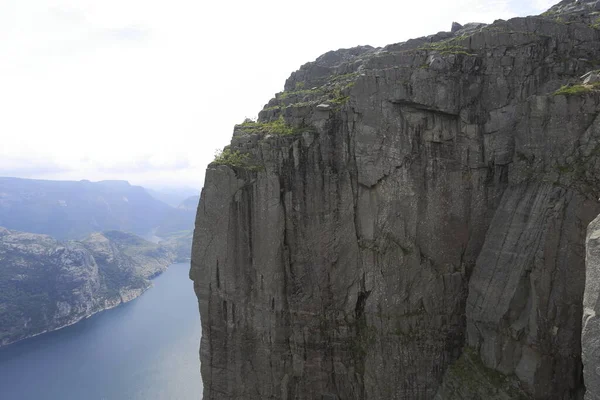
(591, 323)
(425, 237)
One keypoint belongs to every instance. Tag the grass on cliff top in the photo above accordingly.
(449, 46)
(231, 158)
(275, 127)
(293, 105)
(336, 91)
(576, 90)
(236, 159)
(299, 92)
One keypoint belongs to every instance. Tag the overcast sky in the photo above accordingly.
(147, 90)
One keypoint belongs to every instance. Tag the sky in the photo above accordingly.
(148, 90)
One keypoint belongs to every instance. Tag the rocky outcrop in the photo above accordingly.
(46, 285)
(590, 338)
(422, 236)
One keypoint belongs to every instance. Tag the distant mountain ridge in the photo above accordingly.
(177, 228)
(70, 249)
(173, 196)
(180, 218)
(74, 209)
(47, 284)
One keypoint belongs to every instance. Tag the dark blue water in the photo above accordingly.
(145, 349)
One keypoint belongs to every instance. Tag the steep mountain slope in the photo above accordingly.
(176, 230)
(180, 218)
(173, 196)
(46, 284)
(72, 210)
(409, 222)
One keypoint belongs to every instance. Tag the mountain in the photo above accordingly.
(46, 284)
(409, 222)
(72, 210)
(180, 243)
(180, 218)
(176, 230)
(173, 196)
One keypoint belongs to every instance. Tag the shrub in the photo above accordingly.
(231, 158)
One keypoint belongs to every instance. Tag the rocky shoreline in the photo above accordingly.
(109, 305)
(48, 285)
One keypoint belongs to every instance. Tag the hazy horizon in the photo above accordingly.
(147, 91)
(154, 186)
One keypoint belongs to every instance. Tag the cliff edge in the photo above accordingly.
(409, 222)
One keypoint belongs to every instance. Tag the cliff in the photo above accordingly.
(591, 324)
(46, 284)
(409, 222)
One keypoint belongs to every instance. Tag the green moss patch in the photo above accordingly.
(449, 46)
(577, 90)
(274, 127)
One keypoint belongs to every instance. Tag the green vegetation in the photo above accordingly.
(274, 127)
(231, 158)
(576, 90)
(339, 100)
(338, 95)
(293, 105)
(300, 92)
(236, 159)
(334, 92)
(449, 46)
(596, 23)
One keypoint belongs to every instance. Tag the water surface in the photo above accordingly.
(146, 349)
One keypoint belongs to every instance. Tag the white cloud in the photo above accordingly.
(146, 90)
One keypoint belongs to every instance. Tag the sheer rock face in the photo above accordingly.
(590, 338)
(423, 237)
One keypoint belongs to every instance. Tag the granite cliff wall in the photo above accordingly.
(591, 328)
(409, 222)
